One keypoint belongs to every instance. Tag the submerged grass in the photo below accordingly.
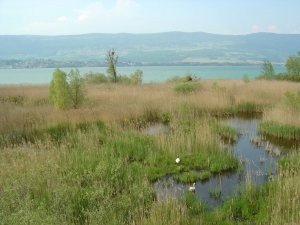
(94, 166)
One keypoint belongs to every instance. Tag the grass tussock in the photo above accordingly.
(94, 165)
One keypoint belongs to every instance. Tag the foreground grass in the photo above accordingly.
(94, 165)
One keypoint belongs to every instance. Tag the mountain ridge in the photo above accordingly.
(153, 47)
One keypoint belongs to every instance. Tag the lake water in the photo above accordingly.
(150, 73)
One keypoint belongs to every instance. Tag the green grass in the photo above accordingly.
(289, 165)
(215, 192)
(204, 175)
(287, 131)
(223, 130)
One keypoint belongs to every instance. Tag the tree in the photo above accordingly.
(111, 60)
(137, 77)
(59, 90)
(293, 65)
(77, 87)
(267, 71)
(64, 95)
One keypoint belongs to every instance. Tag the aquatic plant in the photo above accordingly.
(223, 130)
(280, 130)
(215, 192)
(204, 175)
(188, 177)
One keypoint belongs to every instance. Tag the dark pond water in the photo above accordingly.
(258, 153)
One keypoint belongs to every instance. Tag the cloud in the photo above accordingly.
(273, 29)
(124, 16)
(62, 18)
(256, 29)
(96, 10)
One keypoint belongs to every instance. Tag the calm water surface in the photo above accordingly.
(151, 73)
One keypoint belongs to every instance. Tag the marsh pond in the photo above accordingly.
(257, 153)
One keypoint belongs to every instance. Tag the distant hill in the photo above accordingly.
(157, 47)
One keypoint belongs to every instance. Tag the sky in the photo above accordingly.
(68, 17)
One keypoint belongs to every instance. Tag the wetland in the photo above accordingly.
(257, 153)
(113, 159)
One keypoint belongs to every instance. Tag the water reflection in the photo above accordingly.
(258, 153)
(156, 128)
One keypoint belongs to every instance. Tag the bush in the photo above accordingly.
(246, 78)
(59, 91)
(66, 91)
(188, 77)
(136, 77)
(186, 88)
(123, 79)
(95, 78)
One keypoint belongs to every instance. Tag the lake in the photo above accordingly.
(150, 73)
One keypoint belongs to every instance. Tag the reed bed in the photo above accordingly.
(94, 165)
(120, 102)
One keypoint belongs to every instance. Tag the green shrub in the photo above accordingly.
(123, 79)
(166, 117)
(246, 78)
(95, 78)
(136, 77)
(66, 91)
(59, 90)
(188, 77)
(186, 88)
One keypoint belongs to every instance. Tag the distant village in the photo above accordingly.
(26, 64)
(48, 63)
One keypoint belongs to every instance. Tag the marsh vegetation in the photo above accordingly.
(95, 165)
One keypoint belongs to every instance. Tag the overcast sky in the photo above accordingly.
(64, 17)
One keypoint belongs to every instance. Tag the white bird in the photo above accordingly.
(193, 187)
(177, 160)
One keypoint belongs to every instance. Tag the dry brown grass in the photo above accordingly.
(282, 115)
(27, 91)
(284, 202)
(112, 102)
